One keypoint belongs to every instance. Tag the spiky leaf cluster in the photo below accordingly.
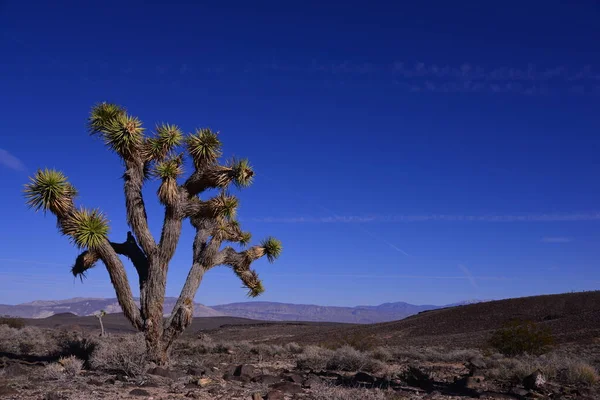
(251, 281)
(84, 262)
(121, 132)
(272, 248)
(101, 114)
(168, 171)
(242, 172)
(86, 228)
(204, 147)
(231, 231)
(50, 190)
(225, 206)
(167, 138)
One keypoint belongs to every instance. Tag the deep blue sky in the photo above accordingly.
(427, 152)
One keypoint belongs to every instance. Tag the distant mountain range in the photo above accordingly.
(259, 310)
(86, 306)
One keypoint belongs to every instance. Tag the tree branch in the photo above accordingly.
(118, 278)
(128, 248)
(136, 210)
(183, 311)
(214, 176)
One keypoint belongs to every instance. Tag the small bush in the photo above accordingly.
(28, 340)
(72, 365)
(349, 359)
(267, 350)
(581, 373)
(517, 338)
(126, 354)
(13, 322)
(313, 357)
(293, 348)
(54, 371)
(332, 392)
(382, 354)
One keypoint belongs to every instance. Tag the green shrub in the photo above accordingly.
(521, 337)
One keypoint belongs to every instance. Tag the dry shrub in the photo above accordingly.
(349, 359)
(521, 337)
(13, 322)
(72, 365)
(267, 350)
(28, 340)
(332, 392)
(564, 368)
(382, 354)
(293, 348)
(580, 372)
(54, 371)
(313, 357)
(126, 354)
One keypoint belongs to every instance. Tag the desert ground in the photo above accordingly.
(470, 351)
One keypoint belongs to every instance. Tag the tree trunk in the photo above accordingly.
(152, 299)
(101, 327)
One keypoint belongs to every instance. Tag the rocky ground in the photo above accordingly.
(52, 364)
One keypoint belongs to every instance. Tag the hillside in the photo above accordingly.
(269, 311)
(572, 317)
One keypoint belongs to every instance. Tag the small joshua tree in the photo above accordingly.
(99, 315)
(145, 157)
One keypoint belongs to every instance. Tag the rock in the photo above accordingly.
(95, 382)
(266, 379)
(311, 381)
(478, 362)
(6, 391)
(287, 387)
(242, 373)
(257, 396)
(139, 392)
(246, 370)
(196, 371)
(204, 382)
(54, 395)
(110, 381)
(470, 382)
(275, 395)
(413, 376)
(165, 373)
(534, 381)
(363, 378)
(293, 378)
(519, 391)
(192, 395)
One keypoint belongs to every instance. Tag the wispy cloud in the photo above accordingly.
(591, 216)
(10, 161)
(556, 240)
(468, 275)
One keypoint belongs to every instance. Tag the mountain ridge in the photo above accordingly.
(256, 310)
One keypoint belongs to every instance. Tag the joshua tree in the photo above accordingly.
(101, 314)
(145, 157)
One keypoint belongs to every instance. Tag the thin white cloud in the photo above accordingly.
(10, 161)
(556, 240)
(468, 275)
(565, 217)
